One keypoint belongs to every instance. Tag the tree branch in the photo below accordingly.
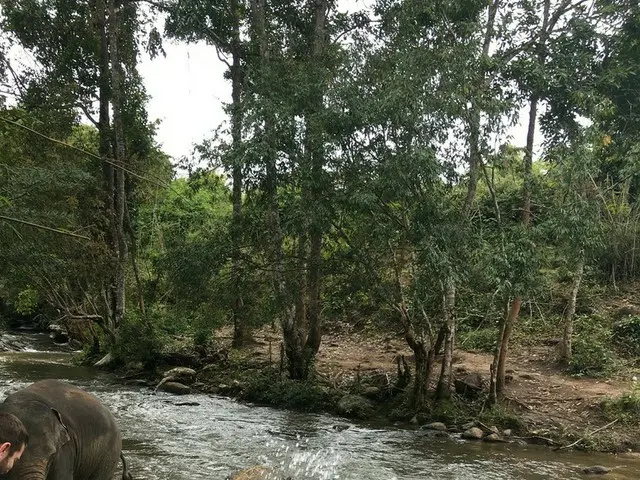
(43, 227)
(90, 154)
(87, 114)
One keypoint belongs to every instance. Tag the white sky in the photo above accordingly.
(187, 91)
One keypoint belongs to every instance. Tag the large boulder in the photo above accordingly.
(470, 386)
(439, 426)
(474, 433)
(181, 374)
(58, 333)
(355, 406)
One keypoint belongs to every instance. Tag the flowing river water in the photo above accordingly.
(212, 437)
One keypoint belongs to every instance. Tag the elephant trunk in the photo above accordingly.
(28, 472)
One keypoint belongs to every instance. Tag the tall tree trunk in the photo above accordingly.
(302, 337)
(105, 149)
(548, 24)
(239, 315)
(120, 157)
(316, 153)
(296, 336)
(475, 162)
(134, 259)
(286, 309)
(565, 346)
(449, 302)
(422, 377)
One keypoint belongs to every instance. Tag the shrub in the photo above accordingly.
(626, 407)
(139, 339)
(626, 335)
(268, 388)
(484, 339)
(591, 357)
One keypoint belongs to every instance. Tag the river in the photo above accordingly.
(216, 436)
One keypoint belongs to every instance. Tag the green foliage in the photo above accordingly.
(27, 301)
(503, 418)
(591, 357)
(267, 387)
(484, 339)
(626, 335)
(139, 339)
(625, 408)
(364, 145)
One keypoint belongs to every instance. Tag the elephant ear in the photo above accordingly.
(63, 431)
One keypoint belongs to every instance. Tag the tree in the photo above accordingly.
(80, 51)
(220, 24)
(532, 72)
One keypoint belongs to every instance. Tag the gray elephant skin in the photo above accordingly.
(72, 436)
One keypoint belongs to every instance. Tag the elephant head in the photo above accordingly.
(14, 441)
(44, 454)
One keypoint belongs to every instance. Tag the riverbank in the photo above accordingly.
(357, 373)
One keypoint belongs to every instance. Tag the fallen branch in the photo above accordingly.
(518, 402)
(587, 435)
(538, 440)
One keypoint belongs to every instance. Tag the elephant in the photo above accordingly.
(72, 436)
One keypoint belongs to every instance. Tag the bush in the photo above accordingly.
(268, 388)
(626, 407)
(626, 335)
(591, 357)
(484, 339)
(139, 339)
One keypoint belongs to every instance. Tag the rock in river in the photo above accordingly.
(473, 433)
(181, 374)
(175, 387)
(596, 470)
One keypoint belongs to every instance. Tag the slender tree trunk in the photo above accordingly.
(504, 344)
(302, 338)
(528, 160)
(444, 384)
(565, 347)
(421, 384)
(134, 259)
(295, 336)
(512, 318)
(120, 157)
(475, 156)
(239, 316)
